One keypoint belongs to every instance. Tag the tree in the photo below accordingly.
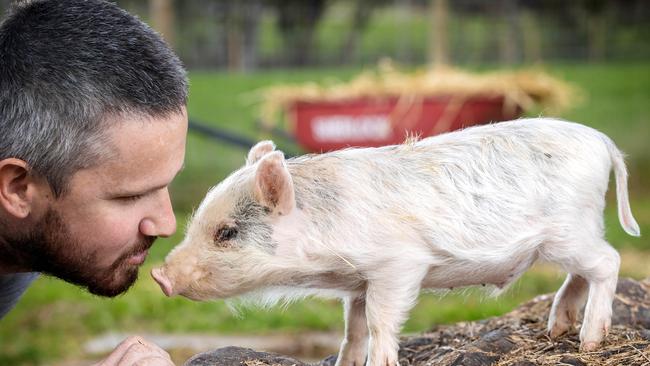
(297, 22)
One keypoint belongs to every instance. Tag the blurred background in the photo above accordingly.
(235, 49)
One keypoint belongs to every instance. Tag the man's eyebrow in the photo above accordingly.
(148, 190)
(126, 193)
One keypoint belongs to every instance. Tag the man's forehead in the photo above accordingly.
(128, 129)
(141, 154)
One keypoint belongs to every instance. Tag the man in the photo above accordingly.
(92, 131)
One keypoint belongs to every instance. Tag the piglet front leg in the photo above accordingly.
(389, 298)
(354, 346)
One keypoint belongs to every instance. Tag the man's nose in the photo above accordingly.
(161, 221)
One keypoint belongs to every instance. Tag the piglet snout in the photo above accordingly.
(159, 276)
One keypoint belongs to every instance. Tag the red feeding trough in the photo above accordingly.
(385, 107)
(331, 125)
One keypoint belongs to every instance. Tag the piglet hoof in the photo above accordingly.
(558, 329)
(359, 361)
(588, 346)
(591, 338)
(351, 363)
(385, 362)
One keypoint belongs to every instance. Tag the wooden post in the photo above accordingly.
(234, 45)
(597, 32)
(531, 38)
(439, 46)
(507, 21)
(162, 19)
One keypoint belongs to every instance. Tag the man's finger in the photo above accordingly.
(134, 349)
(119, 351)
(145, 355)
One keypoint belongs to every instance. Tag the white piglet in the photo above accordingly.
(374, 226)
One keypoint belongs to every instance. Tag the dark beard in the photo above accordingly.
(50, 249)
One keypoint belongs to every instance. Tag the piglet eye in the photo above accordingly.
(225, 233)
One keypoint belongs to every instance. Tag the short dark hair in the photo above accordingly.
(68, 65)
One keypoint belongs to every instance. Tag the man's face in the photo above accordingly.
(98, 234)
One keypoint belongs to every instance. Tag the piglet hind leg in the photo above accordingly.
(602, 278)
(354, 346)
(593, 268)
(569, 299)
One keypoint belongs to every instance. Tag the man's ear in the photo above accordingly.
(260, 149)
(19, 189)
(273, 183)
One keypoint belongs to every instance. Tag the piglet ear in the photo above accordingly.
(260, 149)
(273, 183)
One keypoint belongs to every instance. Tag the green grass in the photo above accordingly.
(54, 319)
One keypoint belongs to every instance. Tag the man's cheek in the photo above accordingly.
(108, 245)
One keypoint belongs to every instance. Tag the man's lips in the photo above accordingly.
(138, 258)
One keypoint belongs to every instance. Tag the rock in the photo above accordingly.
(572, 361)
(632, 304)
(329, 361)
(495, 341)
(514, 339)
(645, 334)
(237, 356)
(475, 359)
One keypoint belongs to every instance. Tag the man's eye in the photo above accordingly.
(225, 233)
(131, 198)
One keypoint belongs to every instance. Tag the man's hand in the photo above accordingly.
(137, 351)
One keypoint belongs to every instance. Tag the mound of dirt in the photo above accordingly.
(515, 339)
